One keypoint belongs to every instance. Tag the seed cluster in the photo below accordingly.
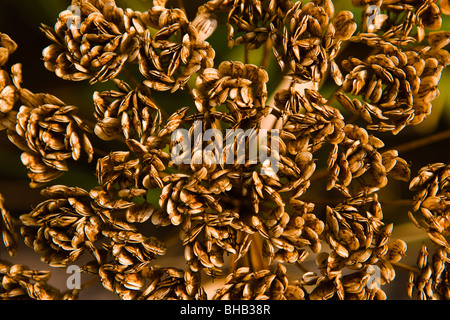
(431, 202)
(241, 221)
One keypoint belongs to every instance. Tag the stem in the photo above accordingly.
(335, 201)
(246, 55)
(405, 267)
(301, 267)
(181, 6)
(187, 88)
(255, 258)
(332, 97)
(131, 77)
(266, 54)
(412, 145)
(233, 261)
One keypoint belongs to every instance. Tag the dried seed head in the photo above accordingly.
(62, 240)
(126, 111)
(240, 87)
(7, 47)
(263, 284)
(168, 65)
(97, 50)
(7, 229)
(49, 132)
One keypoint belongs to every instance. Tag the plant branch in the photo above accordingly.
(415, 144)
(301, 267)
(256, 260)
(266, 54)
(131, 77)
(246, 54)
(335, 201)
(405, 267)
(332, 97)
(181, 6)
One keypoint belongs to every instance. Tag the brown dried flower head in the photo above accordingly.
(48, 132)
(241, 87)
(93, 45)
(171, 56)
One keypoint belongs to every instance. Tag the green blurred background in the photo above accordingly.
(21, 19)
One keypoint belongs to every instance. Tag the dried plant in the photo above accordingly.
(246, 223)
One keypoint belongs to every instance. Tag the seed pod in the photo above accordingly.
(344, 24)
